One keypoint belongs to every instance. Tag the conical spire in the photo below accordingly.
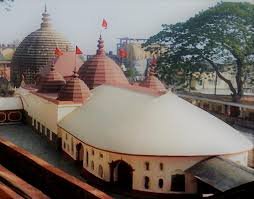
(75, 73)
(45, 8)
(151, 81)
(52, 82)
(101, 69)
(75, 90)
(45, 19)
(100, 46)
(152, 67)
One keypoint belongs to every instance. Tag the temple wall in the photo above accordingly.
(93, 158)
(45, 114)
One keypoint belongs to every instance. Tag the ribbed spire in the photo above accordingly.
(151, 69)
(45, 19)
(100, 46)
(151, 81)
(52, 82)
(75, 90)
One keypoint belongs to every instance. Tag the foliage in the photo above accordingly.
(221, 35)
(7, 4)
(131, 73)
(6, 89)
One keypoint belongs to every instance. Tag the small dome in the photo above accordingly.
(37, 51)
(101, 69)
(75, 90)
(52, 82)
(151, 81)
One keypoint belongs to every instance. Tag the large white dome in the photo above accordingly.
(126, 121)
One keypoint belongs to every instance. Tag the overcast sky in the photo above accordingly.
(80, 20)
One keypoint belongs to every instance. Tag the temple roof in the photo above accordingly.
(151, 81)
(64, 64)
(52, 82)
(121, 120)
(101, 69)
(75, 90)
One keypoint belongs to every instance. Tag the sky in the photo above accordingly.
(80, 20)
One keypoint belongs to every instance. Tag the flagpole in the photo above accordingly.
(75, 60)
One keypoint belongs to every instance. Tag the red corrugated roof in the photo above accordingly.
(101, 69)
(75, 90)
(52, 82)
(65, 64)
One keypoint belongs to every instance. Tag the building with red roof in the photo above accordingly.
(101, 69)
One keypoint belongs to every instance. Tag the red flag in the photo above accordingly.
(58, 52)
(104, 24)
(122, 53)
(78, 51)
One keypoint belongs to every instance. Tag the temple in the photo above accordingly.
(125, 136)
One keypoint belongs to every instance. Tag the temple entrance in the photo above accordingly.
(79, 152)
(122, 174)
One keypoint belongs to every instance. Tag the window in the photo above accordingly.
(66, 136)
(100, 171)
(87, 158)
(43, 129)
(147, 165)
(101, 155)
(178, 182)
(92, 165)
(147, 181)
(72, 145)
(92, 152)
(160, 183)
(38, 126)
(48, 132)
(161, 166)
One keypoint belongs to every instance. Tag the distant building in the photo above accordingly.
(209, 83)
(136, 56)
(6, 53)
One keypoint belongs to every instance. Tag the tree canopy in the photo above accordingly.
(221, 35)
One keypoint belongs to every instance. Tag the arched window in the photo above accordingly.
(100, 171)
(147, 182)
(161, 166)
(178, 181)
(92, 165)
(160, 183)
(72, 145)
(147, 165)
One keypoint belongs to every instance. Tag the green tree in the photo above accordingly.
(131, 73)
(221, 35)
